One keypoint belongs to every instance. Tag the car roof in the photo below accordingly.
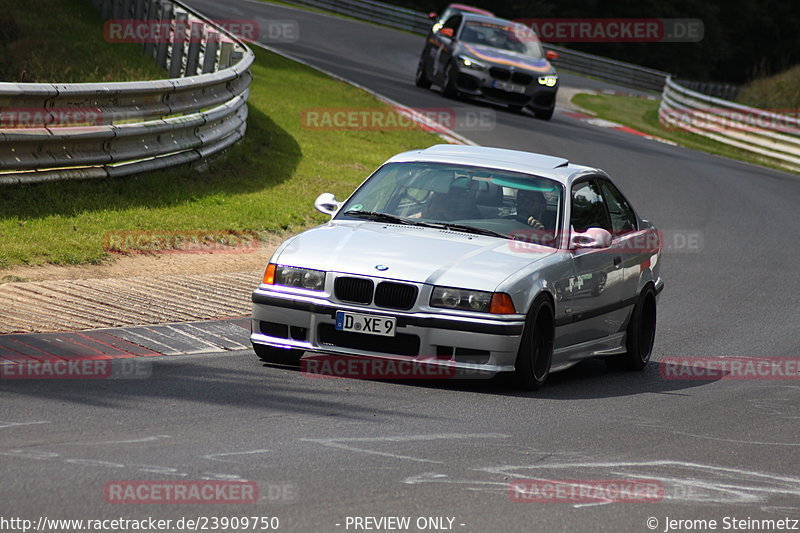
(471, 9)
(491, 19)
(547, 166)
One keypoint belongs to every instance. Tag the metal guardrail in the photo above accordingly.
(610, 70)
(135, 126)
(726, 91)
(621, 73)
(771, 136)
(370, 10)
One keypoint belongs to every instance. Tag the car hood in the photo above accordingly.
(506, 58)
(411, 253)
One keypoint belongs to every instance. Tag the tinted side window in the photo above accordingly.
(453, 22)
(623, 219)
(588, 207)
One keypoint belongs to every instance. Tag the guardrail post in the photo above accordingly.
(210, 55)
(193, 56)
(119, 9)
(152, 13)
(178, 46)
(107, 9)
(225, 55)
(161, 53)
(138, 12)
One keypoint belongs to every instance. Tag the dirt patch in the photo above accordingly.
(160, 264)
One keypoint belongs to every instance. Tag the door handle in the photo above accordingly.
(617, 261)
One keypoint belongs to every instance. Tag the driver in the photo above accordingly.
(531, 206)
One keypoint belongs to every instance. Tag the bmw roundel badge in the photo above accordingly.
(382, 268)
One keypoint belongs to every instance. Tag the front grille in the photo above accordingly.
(400, 344)
(355, 290)
(501, 74)
(521, 78)
(395, 295)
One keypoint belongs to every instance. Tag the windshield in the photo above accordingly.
(508, 204)
(513, 38)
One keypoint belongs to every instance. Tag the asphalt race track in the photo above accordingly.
(323, 450)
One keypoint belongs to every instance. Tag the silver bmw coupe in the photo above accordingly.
(482, 260)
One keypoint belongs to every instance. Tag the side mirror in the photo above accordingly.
(326, 203)
(446, 32)
(551, 55)
(591, 238)
(432, 15)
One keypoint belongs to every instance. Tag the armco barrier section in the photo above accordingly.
(132, 127)
(621, 73)
(774, 137)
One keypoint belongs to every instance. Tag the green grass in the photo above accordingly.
(780, 93)
(266, 184)
(642, 114)
(62, 41)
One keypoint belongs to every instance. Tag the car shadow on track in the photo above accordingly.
(589, 379)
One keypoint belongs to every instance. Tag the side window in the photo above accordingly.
(453, 23)
(623, 219)
(588, 207)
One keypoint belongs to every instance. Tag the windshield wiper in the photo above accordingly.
(379, 217)
(465, 229)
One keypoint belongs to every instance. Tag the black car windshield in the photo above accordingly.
(512, 38)
(480, 200)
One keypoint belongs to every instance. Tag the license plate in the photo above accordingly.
(368, 324)
(510, 87)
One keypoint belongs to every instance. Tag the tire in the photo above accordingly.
(449, 88)
(641, 332)
(270, 354)
(545, 115)
(535, 353)
(421, 79)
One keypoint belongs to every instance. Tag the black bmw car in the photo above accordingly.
(492, 59)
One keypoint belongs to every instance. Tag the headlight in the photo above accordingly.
(466, 300)
(303, 278)
(549, 81)
(471, 63)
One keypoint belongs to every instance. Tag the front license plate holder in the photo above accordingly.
(383, 326)
(509, 87)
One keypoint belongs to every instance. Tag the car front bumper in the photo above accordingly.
(473, 347)
(481, 84)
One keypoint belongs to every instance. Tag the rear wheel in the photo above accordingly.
(421, 79)
(536, 346)
(640, 334)
(270, 354)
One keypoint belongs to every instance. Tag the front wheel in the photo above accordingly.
(449, 88)
(421, 79)
(536, 346)
(270, 354)
(546, 114)
(641, 332)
